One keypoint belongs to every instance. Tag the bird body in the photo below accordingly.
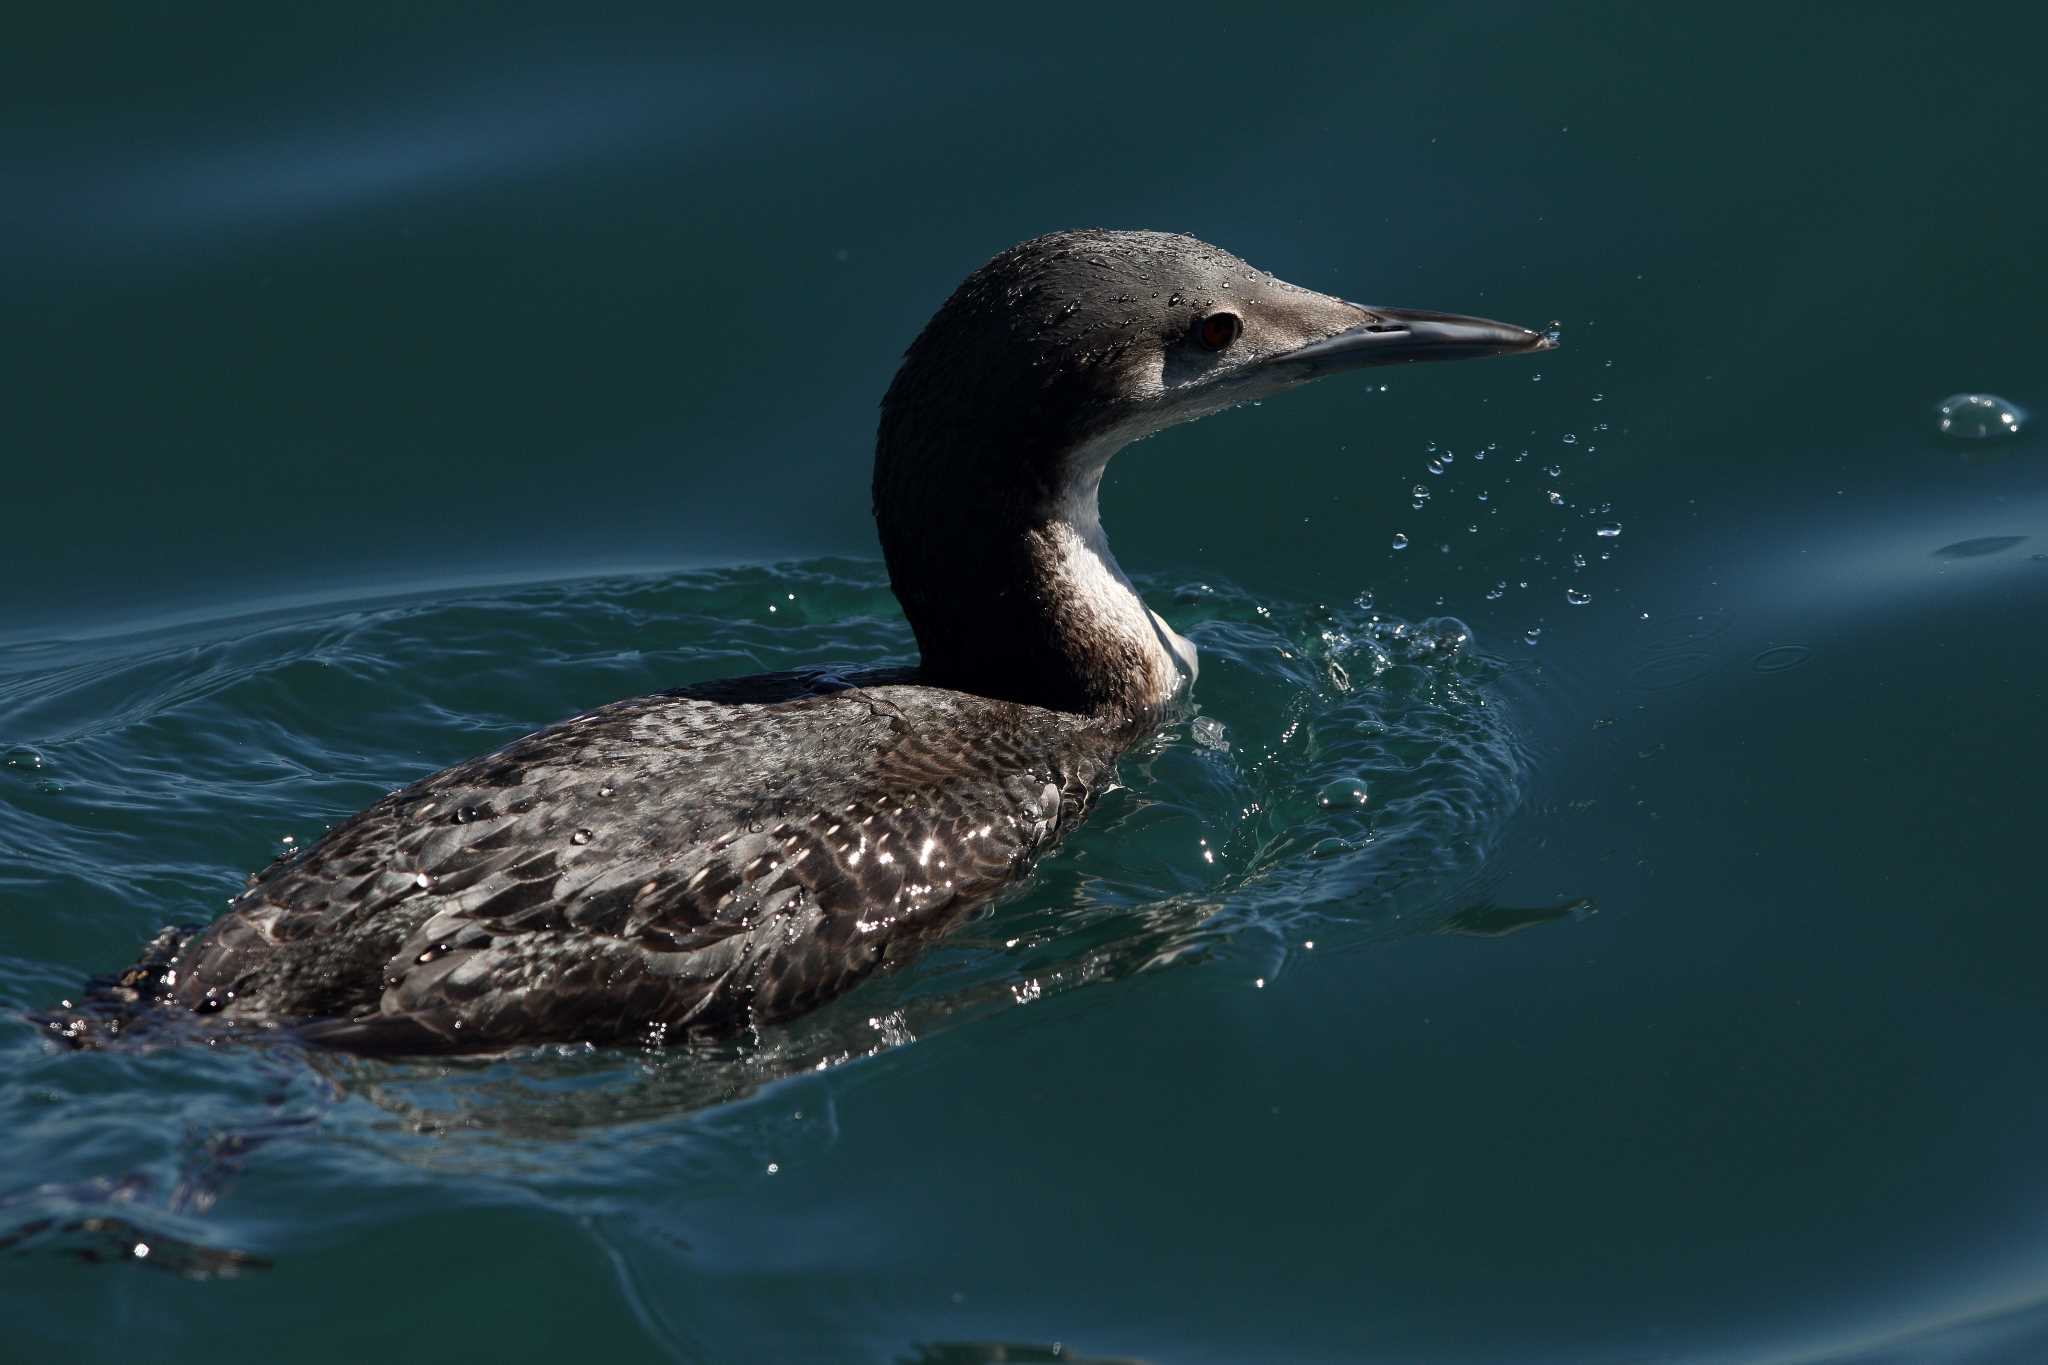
(698, 862)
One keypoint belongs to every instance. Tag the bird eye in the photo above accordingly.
(1218, 330)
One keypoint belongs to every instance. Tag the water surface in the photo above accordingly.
(1538, 945)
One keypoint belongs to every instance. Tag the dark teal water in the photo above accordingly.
(384, 386)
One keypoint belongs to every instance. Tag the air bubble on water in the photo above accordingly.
(1556, 498)
(1444, 548)
(1532, 635)
(1609, 531)
(1497, 591)
(1482, 495)
(1521, 457)
(1578, 561)
(1570, 439)
(1599, 398)
(1555, 471)
(1448, 456)
(1577, 597)
(1421, 491)
(1978, 417)
(1400, 541)
(1416, 505)
(1435, 466)
(1344, 793)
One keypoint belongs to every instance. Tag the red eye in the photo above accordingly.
(1218, 330)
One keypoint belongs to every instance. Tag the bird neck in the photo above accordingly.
(1013, 593)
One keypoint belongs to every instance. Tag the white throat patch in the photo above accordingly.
(1096, 584)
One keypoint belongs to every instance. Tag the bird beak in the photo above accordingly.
(1394, 336)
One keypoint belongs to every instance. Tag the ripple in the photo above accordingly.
(1778, 658)
(1671, 670)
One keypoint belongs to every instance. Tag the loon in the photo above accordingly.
(703, 861)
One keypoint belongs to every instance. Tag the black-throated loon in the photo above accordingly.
(695, 862)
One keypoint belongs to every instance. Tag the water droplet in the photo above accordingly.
(1599, 398)
(1978, 417)
(1570, 439)
(1578, 561)
(1435, 466)
(1400, 541)
(422, 880)
(1497, 591)
(604, 791)
(1577, 597)
(1421, 491)
(1449, 456)
(1554, 470)
(774, 1166)
(1342, 794)
(1556, 498)
(581, 836)
(1532, 635)
(1482, 495)
(1609, 531)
